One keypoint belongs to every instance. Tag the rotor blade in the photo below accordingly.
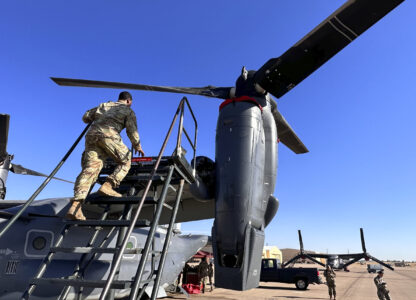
(380, 262)
(314, 260)
(352, 261)
(281, 74)
(362, 240)
(18, 169)
(287, 135)
(300, 241)
(293, 259)
(4, 134)
(208, 91)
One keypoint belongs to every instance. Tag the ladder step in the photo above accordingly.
(147, 280)
(117, 284)
(83, 250)
(167, 206)
(118, 200)
(145, 177)
(134, 179)
(108, 223)
(125, 200)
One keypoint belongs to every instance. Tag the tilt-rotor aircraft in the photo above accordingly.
(237, 189)
(336, 261)
(249, 124)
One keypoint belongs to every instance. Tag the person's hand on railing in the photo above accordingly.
(138, 149)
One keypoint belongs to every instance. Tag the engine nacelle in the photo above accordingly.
(246, 162)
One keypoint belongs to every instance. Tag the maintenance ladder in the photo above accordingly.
(145, 175)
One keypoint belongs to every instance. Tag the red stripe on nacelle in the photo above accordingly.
(241, 99)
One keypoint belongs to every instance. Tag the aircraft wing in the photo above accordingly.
(343, 256)
(319, 255)
(350, 256)
(4, 204)
(190, 209)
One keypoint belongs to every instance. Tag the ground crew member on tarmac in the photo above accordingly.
(203, 271)
(101, 141)
(382, 291)
(210, 273)
(330, 281)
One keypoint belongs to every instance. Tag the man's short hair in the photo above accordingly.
(124, 96)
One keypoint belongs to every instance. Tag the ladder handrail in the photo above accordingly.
(44, 184)
(150, 239)
(119, 255)
(167, 241)
(181, 129)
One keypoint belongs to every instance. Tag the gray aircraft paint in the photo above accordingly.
(19, 260)
(246, 164)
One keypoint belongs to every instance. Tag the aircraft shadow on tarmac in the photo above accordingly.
(276, 288)
(297, 297)
(287, 288)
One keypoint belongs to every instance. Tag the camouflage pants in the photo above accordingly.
(331, 290)
(202, 283)
(97, 149)
(383, 295)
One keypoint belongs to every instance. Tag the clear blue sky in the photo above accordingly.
(355, 114)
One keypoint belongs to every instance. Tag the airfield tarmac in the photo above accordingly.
(354, 285)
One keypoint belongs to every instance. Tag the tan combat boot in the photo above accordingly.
(107, 190)
(75, 211)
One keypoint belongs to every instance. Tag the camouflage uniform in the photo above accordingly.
(203, 272)
(103, 140)
(382, 291)
(210, 273)
(330, 281)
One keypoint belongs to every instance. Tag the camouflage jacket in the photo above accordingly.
(110, 118)
(203, 269)
(330, 276)
(380, 284)
(210, 270)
